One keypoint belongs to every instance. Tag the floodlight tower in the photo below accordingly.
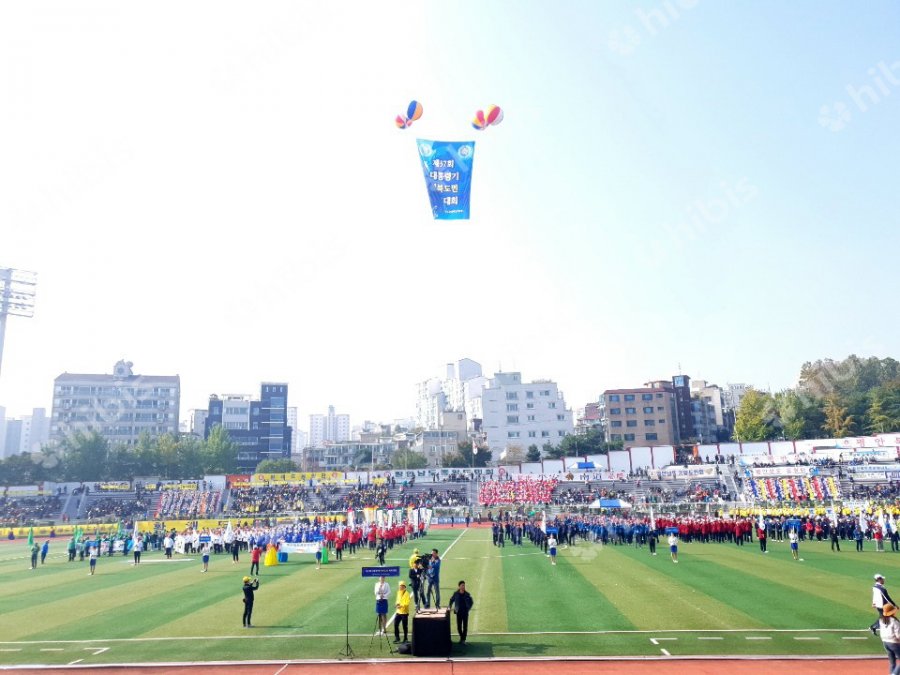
(16, 298)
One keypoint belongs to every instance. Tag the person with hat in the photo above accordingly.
(880, 598)
(889, 631)
(402, 617)
(250, 586)
(413, 559)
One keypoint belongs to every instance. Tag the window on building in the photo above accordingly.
(646, 397)
(659, 396)
(560, 418)
(561, 433)
(648, 410)
(552, 404)
(615, 437)
(614, 398)
(545, 392)
(651, 437)
(512, 419)
(629, 437)
(631, 423)
(662, 421)
(531, 418)
(659, 408)
(512, 434)
(544, 434)
(529, 394)
(529, 406)
(615, 411)
(512, 407)
(630, 411)
(629, 397)
(649, 423)
(512, 396)
(532, 434)
(615, 424)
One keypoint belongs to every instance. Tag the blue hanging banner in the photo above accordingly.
(447, 166)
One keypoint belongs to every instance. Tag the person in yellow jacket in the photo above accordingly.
(402, 613)
(413, 559)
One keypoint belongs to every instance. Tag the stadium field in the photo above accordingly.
(720, 599)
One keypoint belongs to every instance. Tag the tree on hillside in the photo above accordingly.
(753, 421)
(838, 424)
(877, 419)
(790, 409)
(553, 452)
(283, 465)
(408, 459)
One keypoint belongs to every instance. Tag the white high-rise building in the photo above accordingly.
(28, 433)
(458, 391)
(197, 423)
(330, 428)
(520, 414)
(299, 439)
(733, 394)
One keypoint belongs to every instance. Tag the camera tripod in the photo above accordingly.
(348, 650)
(385, 639)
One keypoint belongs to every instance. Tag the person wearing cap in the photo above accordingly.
(250, 585)
(889, 631)
(402, 613)
(880, 598)
(413, 559)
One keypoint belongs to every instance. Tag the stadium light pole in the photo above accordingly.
(17, 289)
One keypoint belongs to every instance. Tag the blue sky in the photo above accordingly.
(219, 191)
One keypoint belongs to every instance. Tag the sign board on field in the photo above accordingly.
(380, 572)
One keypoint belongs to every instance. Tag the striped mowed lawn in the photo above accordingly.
(598, 600)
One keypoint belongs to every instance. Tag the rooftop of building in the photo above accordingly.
(93, 377)
(638, 390)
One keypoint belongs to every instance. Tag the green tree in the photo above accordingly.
(86, 454)
(219, 452)
(790, 409)
(878, 421)
(553, 452)
(276, 466)
(838, 424)
(408, 459)
(753, 421)
(479, 459)
(534, 453)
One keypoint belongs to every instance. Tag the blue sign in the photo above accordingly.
(671, 530)
(552, 530)
(380, 572)
(205, 539)
(447, 166)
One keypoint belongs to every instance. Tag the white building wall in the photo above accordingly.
(517, 413)
(316, 430)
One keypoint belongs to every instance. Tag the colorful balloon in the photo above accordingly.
(478, 125)
(479, 116)
(494, 115)
(414, 111)
(401, 122)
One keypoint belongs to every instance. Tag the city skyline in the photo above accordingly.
(667, 187)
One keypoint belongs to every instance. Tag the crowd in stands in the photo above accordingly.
(889, 491)
(524, 491)
(15, 510)
(117, 509)
(270, 499)
(433, 497)
(187, 504)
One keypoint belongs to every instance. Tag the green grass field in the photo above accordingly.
(604, 601)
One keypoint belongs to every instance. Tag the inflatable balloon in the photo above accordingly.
(479, 116)
(494, 115)
(401, 122)
(478, 124)
(414, 112)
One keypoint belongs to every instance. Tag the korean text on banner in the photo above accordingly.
(447, 166)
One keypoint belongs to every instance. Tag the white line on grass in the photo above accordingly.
(721, 638)
(665, 652)
(72, 663)
(52, 649)
(288, 636)
(806, 638)
(854, 638)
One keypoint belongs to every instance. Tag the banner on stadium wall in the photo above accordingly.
(762, 471)
(113, 486)
(24, 490)
(874, 468)
(179, 485)
(680, 472)
(42, 531)
(447, 166)
(296, 477)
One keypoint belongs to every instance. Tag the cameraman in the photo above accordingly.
(249, 587)
(417, 583)
(433, 574)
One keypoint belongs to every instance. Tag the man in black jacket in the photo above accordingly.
(461, 602)
(249, 587)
